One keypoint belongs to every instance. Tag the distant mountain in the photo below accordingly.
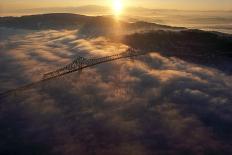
(87, 9)
(73, 21)
(104, 26)
(45, 21)
(100, 10)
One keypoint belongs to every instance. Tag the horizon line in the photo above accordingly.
(108, 7)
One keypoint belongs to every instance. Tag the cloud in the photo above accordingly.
(131, 106)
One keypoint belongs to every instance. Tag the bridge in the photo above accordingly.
(78, 64)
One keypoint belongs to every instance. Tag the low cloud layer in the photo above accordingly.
(147, 105)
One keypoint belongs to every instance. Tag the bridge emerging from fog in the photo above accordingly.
(78, 64)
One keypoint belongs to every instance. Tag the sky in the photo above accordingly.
(159, 4)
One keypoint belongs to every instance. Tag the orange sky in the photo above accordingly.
(160, 4)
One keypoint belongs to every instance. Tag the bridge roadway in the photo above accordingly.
(78, 64)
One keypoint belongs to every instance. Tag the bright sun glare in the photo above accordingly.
(117, 7)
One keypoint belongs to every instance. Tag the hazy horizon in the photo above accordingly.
(18, 8)
(216, 20)
(167, 4)
(5, 11)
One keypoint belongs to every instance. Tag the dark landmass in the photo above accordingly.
(45, 21)
(201, 47)
(72, 21)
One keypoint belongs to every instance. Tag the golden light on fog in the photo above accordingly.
(117, 7)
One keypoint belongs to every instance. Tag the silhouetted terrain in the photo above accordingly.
(45, 21)
(71, 21)
(208, 48)
(102, 26)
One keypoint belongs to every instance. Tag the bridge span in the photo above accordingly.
(80, 63)
(77, 64)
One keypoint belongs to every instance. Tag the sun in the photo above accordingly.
(117, 7)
